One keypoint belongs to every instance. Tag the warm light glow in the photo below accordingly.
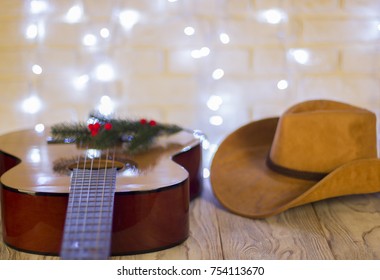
(34, 155)
(214, 102)
(206, 173)
(81, 81)
(218, 74)
(216, 120)
(89, 40)
(272, 16)
(32, 31)
(129, 18)
(37, 69)
(301, 56)
(104, 33)
(282, 84)
(189, 30)
(106, 106)
(38, 6)
(39, 128)
(104, 73)
(31, 105)
(74, 14)
(224, 38)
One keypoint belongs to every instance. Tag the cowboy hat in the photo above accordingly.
(316, 150)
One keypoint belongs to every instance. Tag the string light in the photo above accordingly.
(74, 14)
(203, 52)
(224, 38)
(38, 6)
(31, 105)
(89, 40)
(214, 102)
(218, 74)
(104, 73)
(129, 18)
(39, 128)
(216, 120)
(300, 55)
(104, 33)
(81, 81)
(189, 31)
(272, 16)
(106, 106)
(282, 84)
(37, 69)
(31, 31)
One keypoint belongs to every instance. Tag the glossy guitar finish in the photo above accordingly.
(151, 203)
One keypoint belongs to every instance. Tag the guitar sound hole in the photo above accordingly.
(66, 165)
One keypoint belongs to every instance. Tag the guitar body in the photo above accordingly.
(151, 202)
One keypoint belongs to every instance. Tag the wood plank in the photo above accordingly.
(294, 234)
(352, 226)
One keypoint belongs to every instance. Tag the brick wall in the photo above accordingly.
(317, 48)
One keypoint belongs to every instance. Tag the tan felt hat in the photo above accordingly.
(316, 150)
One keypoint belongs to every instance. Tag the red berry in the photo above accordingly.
(108, 126)
(143, 121)
(152, 123)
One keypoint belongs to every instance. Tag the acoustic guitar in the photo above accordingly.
(61, 199)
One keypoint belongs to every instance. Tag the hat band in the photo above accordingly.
(306, 175)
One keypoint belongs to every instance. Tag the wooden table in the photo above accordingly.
(339, 228)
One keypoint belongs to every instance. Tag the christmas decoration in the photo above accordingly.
(102, 133)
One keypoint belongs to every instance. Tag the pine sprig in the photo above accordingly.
(103, 133)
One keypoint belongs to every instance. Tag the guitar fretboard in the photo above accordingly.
(88, 224)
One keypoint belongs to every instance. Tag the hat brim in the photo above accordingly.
(243, 183)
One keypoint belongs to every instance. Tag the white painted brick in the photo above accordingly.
(11, 8)
(139, 61)
(15, 63)
(340, 31)
(13, 34)
(362, 7)
(181, 61)
(232, 61)
(321, 60)
(360, 91)
(161, 90)
(63, 35)
(363, 59)
(270, 60)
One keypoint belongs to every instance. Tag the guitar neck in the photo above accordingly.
(88, 224)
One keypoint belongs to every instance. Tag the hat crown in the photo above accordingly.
(319, 136)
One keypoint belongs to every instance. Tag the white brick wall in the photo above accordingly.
(156, 76)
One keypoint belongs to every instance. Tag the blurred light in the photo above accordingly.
(224, 38)
(106, 106)
(378, 26)
(93, 153)
(189, 30)
(205, 144)
(282, 84)
(34, 155)
(39, 128)
(216, 120)
(32, 31)
(104, 73)
(31, 105)
(81, 81)
(89, 40)
(38, 6)
(128, 18)
(172, 1)
(104, 32)
(203, 52)
(214, 102)
(37, 69)
(300, 55)
(74, 14)
(272, 16)
(206, 173)
(218, 74)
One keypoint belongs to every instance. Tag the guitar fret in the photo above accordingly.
(88, 224)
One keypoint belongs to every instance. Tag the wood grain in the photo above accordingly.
(340, 228)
